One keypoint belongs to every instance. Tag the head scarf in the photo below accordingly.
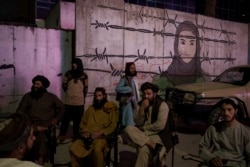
(180, 72)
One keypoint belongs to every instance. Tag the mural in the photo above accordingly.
(186, 62)
(168, 47)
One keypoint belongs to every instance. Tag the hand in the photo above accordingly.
(85, 134)
(145, 103)
(41, 128)
(216, 162)
(96, 135)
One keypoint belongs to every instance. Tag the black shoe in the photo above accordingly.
(157, 149)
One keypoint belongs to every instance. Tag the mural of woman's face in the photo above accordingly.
(187, 46)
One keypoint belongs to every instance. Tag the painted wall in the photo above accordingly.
(62, 16)
(110, 33)
(26, 52)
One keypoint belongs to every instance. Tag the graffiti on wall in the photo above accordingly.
(191, 49)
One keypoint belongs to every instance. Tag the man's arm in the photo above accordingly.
(65, 81)
(161, 121)
(59, 107)
(206, 144)
(140, 113)
(83, 124)
(22, 107)
(113, 113)
(247, 148)
(122, 87)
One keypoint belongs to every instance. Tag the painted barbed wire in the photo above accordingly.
(205, 58)
(202, 26)
(161, 33)
(172, 21)
(115, 72)
(101, 56)
(224, 31)
(229, 59)
(141, 57)
(154, 32)
(100, 25)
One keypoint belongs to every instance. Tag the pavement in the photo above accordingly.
(127, 155)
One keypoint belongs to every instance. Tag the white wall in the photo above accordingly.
(26, 52)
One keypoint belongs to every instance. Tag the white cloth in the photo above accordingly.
(13, 162)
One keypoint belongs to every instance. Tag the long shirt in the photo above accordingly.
(231, 143)
(104, 119)
(43, 110)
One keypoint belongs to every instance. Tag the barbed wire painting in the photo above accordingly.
(168, 47)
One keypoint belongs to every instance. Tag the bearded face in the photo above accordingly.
(99, 100)
(150, 95)
(37, 89)
(131, 70)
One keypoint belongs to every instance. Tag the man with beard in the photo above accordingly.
(226, 143)
(16, 139)
(150, 132)
(75, 85)
(127, 95)
(44, 110)
(98, 121)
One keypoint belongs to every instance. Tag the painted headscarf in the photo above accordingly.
(179, 71)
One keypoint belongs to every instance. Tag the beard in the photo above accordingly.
(132, 74)
(98, 104)
(229, 120)
(37, 92)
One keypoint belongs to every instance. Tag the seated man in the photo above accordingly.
(44, 110)
(150, 132)
(226, 142)
(16, 139)
(98, 121)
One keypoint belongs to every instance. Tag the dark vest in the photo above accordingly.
(166, 133)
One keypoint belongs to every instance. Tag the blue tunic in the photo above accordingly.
(127, 110)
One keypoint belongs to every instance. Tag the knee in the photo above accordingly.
(128, 129)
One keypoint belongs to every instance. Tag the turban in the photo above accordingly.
(42, 79)
(148, 85)
(13, 131)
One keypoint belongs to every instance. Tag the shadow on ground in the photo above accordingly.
(127, 159)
